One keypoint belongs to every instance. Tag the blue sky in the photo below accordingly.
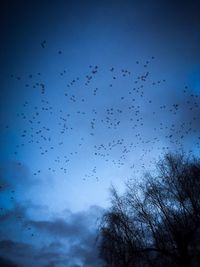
(92, 93)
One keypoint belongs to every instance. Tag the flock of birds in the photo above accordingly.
(120, 116)
(112, 116)
(115, 112)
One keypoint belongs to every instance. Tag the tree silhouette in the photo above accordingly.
(156, 223)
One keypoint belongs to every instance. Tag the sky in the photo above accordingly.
(92, 94)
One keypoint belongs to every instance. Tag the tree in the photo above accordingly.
(156, 223)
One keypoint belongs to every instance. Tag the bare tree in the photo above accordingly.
(157, 223)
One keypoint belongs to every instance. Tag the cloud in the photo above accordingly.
(6, 263)
(75, 224)
(17, 212)
(38, 238)
(67, 240)
(20, 253)
(14, 173)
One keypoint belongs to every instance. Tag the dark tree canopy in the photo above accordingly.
(156, 223)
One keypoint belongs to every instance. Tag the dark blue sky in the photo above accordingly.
(92, 93)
